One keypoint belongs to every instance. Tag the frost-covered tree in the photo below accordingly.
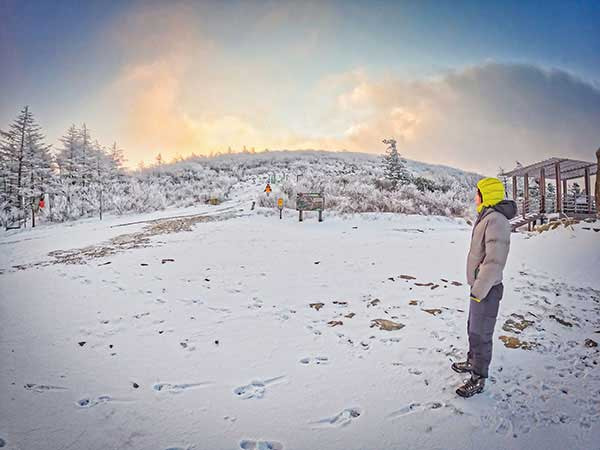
(118, 157)
(425, 184)
(575, 189)
(85, 168)
(66, 155)
(534, 189)
(394, 170)
(26, 165)
(85, 157)
(103, 175)
(550, 196)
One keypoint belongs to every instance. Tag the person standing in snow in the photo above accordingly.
(490, 242)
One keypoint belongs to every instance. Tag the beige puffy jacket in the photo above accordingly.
(490, 243)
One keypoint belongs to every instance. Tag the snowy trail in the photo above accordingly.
(206, 339)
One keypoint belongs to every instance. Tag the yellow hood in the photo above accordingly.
(492, 192)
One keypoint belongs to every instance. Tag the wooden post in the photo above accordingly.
(526, 205)
(300, 216)
(526, 193)
(320, 215)
(588, 197)
(558, 188)
(514, 186)
(542, 190)
(597, 193)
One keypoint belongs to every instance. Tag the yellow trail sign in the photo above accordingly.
(280, 203)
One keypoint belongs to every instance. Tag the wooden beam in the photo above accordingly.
(533, 168)
(514, 186)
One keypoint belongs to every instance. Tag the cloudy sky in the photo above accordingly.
(476, 85)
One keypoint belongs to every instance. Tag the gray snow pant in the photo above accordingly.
(480, 327)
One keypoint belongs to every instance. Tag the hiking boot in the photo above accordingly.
(472, 386)
(462, 367)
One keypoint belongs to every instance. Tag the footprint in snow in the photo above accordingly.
(314, 330)
(176, 388)
(405, 410)
(260, 445)
(43, 387)
(87, 402)
(392, 340)
(503, 427)
(341, 419)
(256, 389)
(317, 360)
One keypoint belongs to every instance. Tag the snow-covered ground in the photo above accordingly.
(253, 332)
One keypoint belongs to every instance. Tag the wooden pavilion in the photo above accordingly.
(560, 201)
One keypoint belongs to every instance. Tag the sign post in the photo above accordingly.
(310, 201)
(280, 206)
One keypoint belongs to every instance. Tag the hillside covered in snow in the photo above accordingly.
(350, 182)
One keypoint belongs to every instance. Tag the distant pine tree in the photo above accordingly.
(394, 170)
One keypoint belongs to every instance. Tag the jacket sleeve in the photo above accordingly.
(497, 243)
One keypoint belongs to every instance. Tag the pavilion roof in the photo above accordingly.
(569, 169)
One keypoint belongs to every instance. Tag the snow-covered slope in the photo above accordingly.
(219, 330)
(351, 182)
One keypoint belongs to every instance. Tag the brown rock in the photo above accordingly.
(516, 324)
(513, 342)
(386, 325)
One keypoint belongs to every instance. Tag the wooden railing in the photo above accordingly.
(578, 204)
(528, 206)
(571, 204)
